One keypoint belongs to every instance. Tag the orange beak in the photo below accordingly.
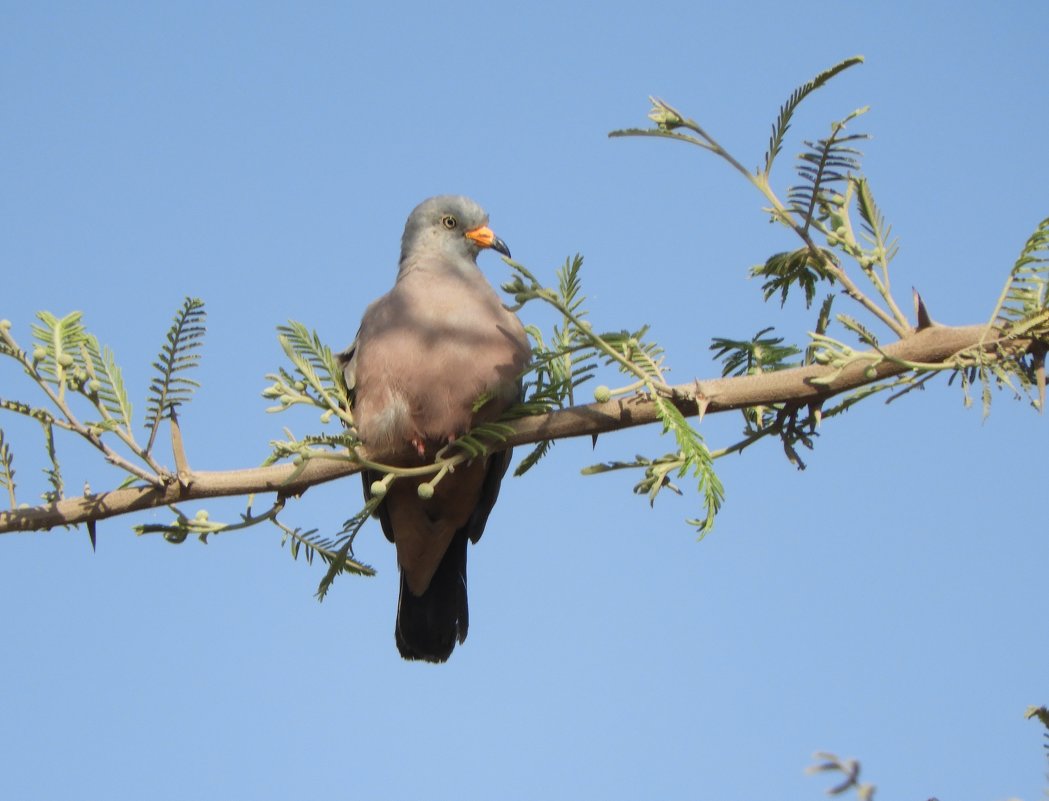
(485, 238)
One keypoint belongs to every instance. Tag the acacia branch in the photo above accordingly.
(933, 345)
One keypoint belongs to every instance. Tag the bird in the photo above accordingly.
(435, 356)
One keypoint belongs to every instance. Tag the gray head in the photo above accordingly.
(452, 225)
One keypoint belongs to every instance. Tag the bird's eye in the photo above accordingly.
(448, 221)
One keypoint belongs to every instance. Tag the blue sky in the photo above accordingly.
(887, 603)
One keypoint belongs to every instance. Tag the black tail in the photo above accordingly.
(429, 625)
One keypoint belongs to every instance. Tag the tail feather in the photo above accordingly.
(429, 625)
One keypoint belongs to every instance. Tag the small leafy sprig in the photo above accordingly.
(171, 387)
(844, 256)
(1022, 312)
(73, 371)
(642, 361)
(317, 375)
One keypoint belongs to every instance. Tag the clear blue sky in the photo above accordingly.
(887, 603)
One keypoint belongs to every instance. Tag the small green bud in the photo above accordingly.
(871, 372)
(425, 491)
(602, 394)
(39, 352)
(378, 489)
(201, 515)
(285, 400)
(326, 416)
(300, 386)
(94, 385)
(66, 360)
(5, 325)
(665, 117)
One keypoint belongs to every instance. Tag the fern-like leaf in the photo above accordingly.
(824, 165)
(171, 388)
(799, 268)
(865, 334)
(314, 360)
(786, 111)
(58, 347)
(758, 355)
(877, 231)
(337, 551)
(7, 470)
(696, 460)
(54, 472)
(105, 381)
(1026, 293)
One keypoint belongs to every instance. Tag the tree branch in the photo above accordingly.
(935, 344)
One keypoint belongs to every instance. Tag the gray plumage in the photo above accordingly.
(425, 353)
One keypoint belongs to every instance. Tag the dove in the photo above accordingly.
(436, 355)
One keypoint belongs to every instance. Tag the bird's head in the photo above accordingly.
(451, 225)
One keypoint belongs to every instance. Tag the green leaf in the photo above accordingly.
(110, 390)
(758, 355)
(170, 387)
(53, 473)
(826, 164)
(1026, 292)
(878, 233)
(7, 470)
(786, 111)
(58, 347)
(799, 268)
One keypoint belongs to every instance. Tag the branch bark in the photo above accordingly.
(933, 344)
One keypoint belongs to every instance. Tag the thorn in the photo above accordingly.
(1039, 375)
(178, 449)
(924, 320)
(701, 405)
(816, 413)
(593, 441)
(91, 533)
